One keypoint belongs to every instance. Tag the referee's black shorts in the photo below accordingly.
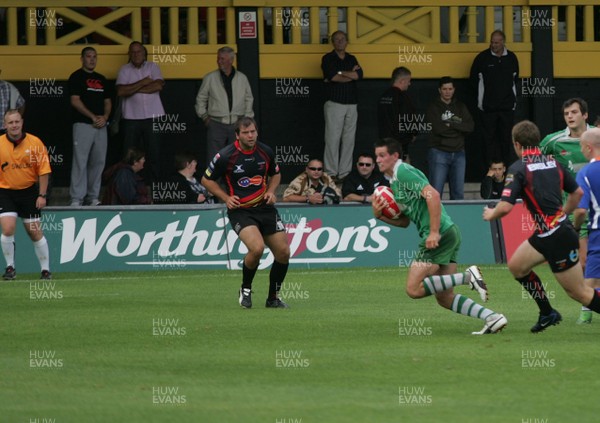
(266, 218)
(20, 202)
(561, 248)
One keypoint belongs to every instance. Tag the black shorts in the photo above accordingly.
(266, 218)
(20, 201)
(561, 248)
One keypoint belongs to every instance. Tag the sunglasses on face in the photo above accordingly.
(318, 169)
(365, 164)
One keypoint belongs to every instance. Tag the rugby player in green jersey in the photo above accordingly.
(434, 269)
(565, 146)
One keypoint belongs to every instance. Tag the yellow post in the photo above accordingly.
(351, 24)
(296, 26)
(231, 30)
(525, 29)
(155, 26)
(490, 24)
(472, 33)
(31, 32)
(173, 25)
(192, 25)
(277, 26)
(211, 25)
(507, 23)
(453, 25)
(136, 24)
(332, 20)
(13, 35)
(571, 25)
(315, 30)
(50, 28)
(588, 23)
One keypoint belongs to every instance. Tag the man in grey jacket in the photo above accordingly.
(224, 97)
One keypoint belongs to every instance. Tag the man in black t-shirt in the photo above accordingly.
(91, 104)
(251, 176)
(540, 181)
(362, 181)
(341, 72)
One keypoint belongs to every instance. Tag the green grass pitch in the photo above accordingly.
(174, 346)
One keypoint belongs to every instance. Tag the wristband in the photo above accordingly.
(42, 195)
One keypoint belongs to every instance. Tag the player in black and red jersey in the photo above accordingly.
(540, 180)
(251, 176)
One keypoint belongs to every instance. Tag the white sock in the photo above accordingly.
(468, 307)
(8, 249)
(41, 251)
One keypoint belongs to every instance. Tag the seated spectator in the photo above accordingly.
(124, 185)
(362, 181)
(312, 186)
(186, 184)
(493, 183)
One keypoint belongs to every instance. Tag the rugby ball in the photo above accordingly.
(391, 210)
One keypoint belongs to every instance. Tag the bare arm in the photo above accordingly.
(270, 196)
(502, 209)
(215, 189)
(434, 207)
(579, 215)
(153, 87)
(357, 197)
(40, 202)
(80, 107)
(130, 89)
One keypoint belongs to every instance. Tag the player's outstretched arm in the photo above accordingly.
(502, 209)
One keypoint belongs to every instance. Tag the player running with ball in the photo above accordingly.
(434, 271)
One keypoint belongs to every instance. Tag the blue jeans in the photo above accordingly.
(444, 166)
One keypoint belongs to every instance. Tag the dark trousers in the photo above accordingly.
(497, 127)
(140, 133)
(218, 135)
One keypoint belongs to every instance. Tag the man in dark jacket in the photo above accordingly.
(396, 115)
(450, 121)
(494, 76)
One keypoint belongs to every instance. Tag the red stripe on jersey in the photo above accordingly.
(229, 171)
(549, 221)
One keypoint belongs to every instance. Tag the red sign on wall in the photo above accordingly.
(247, 25)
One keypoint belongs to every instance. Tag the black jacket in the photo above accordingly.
(495, 79)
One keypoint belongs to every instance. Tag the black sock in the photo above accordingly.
(533, 285)
(595, 304)
(276, 277)
(247, 276)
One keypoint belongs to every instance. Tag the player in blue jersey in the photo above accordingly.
(588, 179)
(251, 176)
